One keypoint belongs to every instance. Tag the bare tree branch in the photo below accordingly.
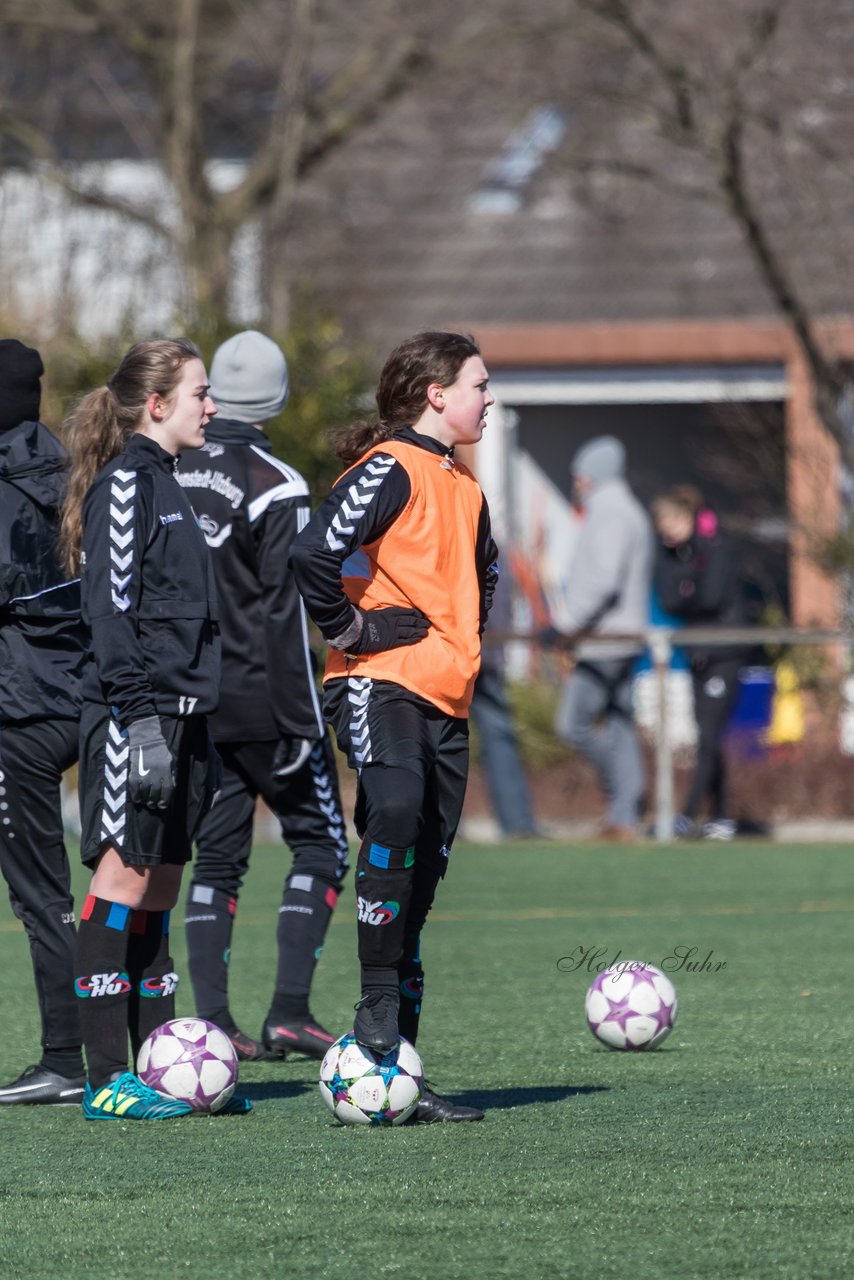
(721, 141)
(404, 59)
(36, 144)
(586, 166)
(674, 75)
(137, 129)
(828, 379)
(291, 112)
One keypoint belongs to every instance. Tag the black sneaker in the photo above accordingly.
(283, 1037)
(247, 1049)
(435, 1110)
(376, 1019)
(38, 1084)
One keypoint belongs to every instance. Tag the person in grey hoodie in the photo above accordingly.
(607, 596)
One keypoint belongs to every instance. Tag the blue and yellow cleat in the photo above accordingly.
(127, 1098)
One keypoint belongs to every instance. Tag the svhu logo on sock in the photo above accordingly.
(102, 984)
(163, 985)
(377, 912)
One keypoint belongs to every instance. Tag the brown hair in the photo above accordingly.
(433, 356)
(685, 497)
(102, 422)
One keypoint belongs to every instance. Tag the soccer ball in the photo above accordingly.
(631, 1005)
(363, 1087)
(191, 1060)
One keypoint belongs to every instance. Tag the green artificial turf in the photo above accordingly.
(725, 1153)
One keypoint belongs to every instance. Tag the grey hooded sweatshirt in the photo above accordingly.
(611, 568)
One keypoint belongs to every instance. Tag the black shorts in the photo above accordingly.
(108, 816)
(411, 758)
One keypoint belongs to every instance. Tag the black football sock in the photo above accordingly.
(307, 906)
(152, 975)
(103, 986)
(410, 976)
(209, 922)
(65, 1062)
(383, 891)
(375, 977)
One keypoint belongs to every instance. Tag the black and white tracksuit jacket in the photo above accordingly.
(321, 558)
(42, 638)
(149, 596)
(251, 507)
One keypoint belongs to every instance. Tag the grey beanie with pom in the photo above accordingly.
(249, 378)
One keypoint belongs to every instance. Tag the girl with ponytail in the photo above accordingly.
(397, 568)
(147, 770)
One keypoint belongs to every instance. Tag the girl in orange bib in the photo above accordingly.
(397, 568)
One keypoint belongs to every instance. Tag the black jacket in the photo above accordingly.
(699, 581)
(149, 595)
(42, 639)
(251, 507)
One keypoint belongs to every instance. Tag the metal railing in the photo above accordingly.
(661, 643)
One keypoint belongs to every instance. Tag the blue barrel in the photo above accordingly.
(751, 715)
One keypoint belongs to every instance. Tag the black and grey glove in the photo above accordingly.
(374, 630)
(152, 770)
(290, 755)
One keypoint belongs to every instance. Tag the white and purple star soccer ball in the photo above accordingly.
(192, 1060)
(631, 1006)
(362, 1087)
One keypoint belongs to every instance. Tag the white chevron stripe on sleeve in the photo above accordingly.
(122, 509)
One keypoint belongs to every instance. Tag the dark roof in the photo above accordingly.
(391, 232)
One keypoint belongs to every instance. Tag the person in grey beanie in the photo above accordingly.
(608, 596)
(268, 729)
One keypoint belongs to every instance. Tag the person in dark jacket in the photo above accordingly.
(42, 643)
(696, 579)
(147, 767)
(269, 728)
(398, 568)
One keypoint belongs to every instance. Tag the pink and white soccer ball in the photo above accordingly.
(631, 1005)
(192, 1060)
(363, 1087)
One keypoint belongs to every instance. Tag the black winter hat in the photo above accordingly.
(20, 389)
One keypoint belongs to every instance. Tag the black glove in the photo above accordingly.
(152, 769)
(290, 755)
(389, 628)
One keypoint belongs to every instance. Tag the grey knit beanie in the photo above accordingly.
(249, 378)
(602, 458)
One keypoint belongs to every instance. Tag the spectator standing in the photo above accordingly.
(608, 595)
(697, 580)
